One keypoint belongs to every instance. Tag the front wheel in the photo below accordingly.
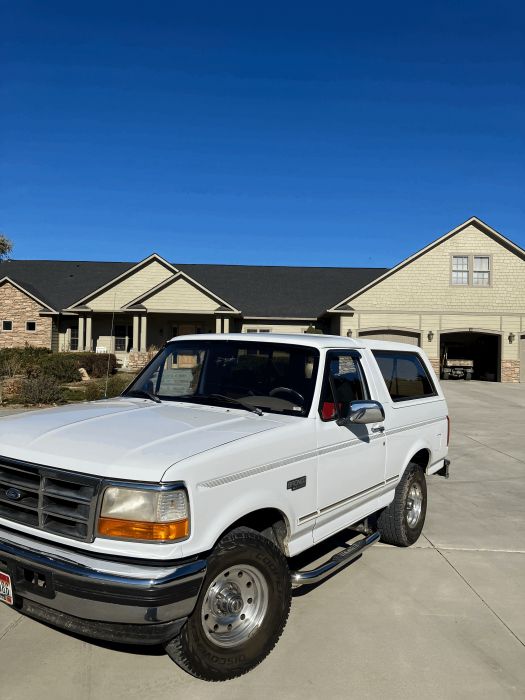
(402, 522)
(241, 611)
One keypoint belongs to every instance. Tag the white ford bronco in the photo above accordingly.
(171, 514)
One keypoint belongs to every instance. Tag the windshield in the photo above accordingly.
(249, 375)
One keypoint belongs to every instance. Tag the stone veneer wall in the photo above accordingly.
(17, 307)
(138, 360)
(510, 371)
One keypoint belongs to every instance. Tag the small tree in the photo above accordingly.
(5, 246)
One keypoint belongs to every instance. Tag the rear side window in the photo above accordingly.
(405, 375)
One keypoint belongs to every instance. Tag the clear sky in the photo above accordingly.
(322, 133)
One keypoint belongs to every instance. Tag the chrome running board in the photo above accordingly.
(301, 578)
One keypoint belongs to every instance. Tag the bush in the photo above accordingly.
(93, 392)
(95, 364)
(116, 385)
(42, 389)
(17, 360)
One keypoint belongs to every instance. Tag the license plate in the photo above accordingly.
(6, 589)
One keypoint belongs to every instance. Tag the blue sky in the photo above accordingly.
(334, 133)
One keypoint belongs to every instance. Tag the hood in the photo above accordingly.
(124, 438)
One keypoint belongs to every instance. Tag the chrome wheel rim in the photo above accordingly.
(414, 505)
(235, 605)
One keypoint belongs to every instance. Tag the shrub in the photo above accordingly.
(16, 360)
(95, 364)
(116, 385)
(93, 392)
(61, 367)
(42, 389)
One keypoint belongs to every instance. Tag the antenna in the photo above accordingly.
(112, 336)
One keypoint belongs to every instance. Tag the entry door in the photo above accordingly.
(351, 466)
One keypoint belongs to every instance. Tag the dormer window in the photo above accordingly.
(471, 270)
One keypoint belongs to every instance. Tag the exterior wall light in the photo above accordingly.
(512, 337)
(430, 336)
(349, 333)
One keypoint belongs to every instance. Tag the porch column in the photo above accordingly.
(226, 326)
(67, 340)
(89, 334)
(218, 324)
(136, 320)
(143, 334)
(81, 334)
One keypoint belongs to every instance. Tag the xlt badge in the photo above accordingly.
(295, 484)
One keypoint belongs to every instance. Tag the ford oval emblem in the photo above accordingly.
(13, 494)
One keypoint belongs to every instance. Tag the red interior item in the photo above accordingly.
(328, 410)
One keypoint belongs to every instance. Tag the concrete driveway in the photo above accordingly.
(443, 619)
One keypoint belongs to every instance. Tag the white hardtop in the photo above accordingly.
(305, 339)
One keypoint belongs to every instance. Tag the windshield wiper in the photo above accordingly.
(221, 397)
(142, 393)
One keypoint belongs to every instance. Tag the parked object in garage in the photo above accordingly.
(456, 368)
(170, 514)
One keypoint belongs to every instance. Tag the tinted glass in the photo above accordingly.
(273, 377)
(343, 383)
(405, 375)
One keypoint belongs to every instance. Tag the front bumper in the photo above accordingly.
(119, 602)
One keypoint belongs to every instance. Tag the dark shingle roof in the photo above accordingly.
(292, 292)
(60, 283)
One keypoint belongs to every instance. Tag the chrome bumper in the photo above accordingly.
(109, 600)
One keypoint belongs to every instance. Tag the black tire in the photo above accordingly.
(394, 523)
(193, 649)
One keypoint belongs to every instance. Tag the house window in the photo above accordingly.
(7, 325)
(481, 271)
(460, 269)
(31, 326)
(258, 330)
(73, 345)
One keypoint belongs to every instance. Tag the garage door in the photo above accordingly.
(522, 358)
(392, 336)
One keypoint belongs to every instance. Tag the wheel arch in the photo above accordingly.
(422, 457)
(270, 521)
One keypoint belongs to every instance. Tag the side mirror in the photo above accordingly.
(363, 412)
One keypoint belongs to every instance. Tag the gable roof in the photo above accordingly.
(60, 283)
(281, 292)
(180, 274)
(257, 291)
(29, 290)
(127, 273)
(481, 225)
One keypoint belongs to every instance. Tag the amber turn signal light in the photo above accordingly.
(137, 530)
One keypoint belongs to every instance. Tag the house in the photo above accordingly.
(463, 293)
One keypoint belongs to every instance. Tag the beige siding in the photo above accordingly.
(424, 286)
(276, 327)
(425, 283)
(130, 288)
(379, 320)
(392, 337)
(180, 296)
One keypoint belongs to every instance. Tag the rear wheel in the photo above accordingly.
(402, 522)
(241, 611)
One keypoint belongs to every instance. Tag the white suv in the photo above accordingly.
(171, 514)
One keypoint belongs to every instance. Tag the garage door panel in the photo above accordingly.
(392, 336)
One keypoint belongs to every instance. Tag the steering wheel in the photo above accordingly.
(299, 398)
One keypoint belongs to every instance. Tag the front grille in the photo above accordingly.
(60, 502)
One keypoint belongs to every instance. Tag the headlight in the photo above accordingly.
(141, 514)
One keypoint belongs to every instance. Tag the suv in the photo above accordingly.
(171, 514)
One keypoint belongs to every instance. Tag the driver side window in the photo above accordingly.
(343, 383)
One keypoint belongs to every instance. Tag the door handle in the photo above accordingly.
(379, 429)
